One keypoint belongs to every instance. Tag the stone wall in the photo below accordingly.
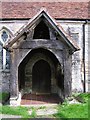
(74, 29)
(19, 54)
(88, 57)
(5, 81)
(4, 77)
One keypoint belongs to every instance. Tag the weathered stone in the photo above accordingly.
(71, 65)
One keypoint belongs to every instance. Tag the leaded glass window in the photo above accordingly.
(7, 60)
(5, 55)
(4, 36)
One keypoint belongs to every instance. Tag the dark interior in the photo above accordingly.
(41, 77)
(41, 31)
(41, 72)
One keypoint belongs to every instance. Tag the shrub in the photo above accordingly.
(4, 97)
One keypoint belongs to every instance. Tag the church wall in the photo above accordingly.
(13, 26)
(88, 57)
(74, 29)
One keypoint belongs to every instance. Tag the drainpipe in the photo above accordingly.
(84, 81)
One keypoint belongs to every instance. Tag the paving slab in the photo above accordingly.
(44, 111)
(9, 116)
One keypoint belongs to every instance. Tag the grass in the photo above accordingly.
(64, 111)
(33, 114)
(21, 111)
(85, 96)
(4, 97)
(74, 110)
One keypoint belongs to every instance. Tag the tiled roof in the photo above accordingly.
(77, 10)
(43, 13)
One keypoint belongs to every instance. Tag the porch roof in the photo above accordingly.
(57, 27)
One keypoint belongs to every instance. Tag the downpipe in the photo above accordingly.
(83, 60)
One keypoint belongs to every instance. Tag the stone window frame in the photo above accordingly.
(2, 42)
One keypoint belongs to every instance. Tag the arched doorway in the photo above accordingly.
(40, 72)
(41, 77)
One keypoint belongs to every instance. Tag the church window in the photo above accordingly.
(4, 55)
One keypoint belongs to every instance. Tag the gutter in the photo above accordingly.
(83, 59)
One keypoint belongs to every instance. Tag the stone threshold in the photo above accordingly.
(40, 105)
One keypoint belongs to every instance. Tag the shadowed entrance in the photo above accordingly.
(41, 77)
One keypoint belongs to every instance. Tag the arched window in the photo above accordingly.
(5, 34)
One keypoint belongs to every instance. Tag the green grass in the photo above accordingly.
(19, 110)
(22, 111)
(33, 114)
(74, 110)
(64, 111)
(85, 96)
(4, 96)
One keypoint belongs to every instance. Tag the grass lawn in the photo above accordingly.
(4, 96)
(64, 111)
(74, 110)
(22, 111)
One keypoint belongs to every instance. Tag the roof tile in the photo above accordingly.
(77, 10)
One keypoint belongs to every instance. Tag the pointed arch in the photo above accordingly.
(5, 35)
(7, 29)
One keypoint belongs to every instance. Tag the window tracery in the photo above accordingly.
(4, 55)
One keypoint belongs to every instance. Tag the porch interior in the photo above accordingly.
(41, 83)
(37, 99)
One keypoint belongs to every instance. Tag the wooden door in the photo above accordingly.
(41, 77)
